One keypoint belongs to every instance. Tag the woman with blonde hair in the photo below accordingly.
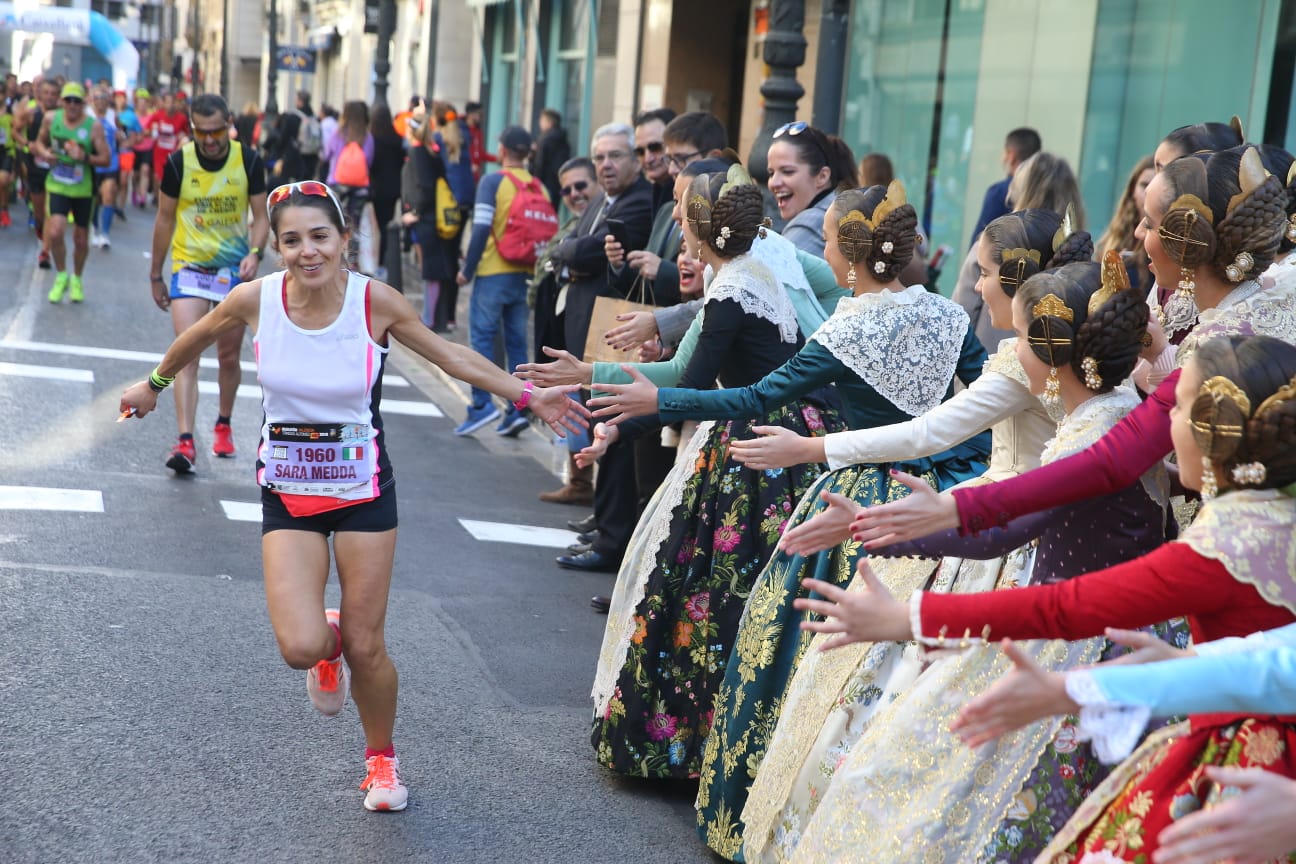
(1042, 182)
(1120, 232)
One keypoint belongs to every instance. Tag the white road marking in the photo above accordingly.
(389, 380)
(53, 373)
(528, 535)
(389, 406)
(242, 511)
(44, 498)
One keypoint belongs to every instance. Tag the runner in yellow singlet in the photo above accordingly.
(204, 194)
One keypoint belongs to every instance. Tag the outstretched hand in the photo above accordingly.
(137, 400)
(828, 528)
(774, 447)
(1026, 694)
(626, 400)
(604, 436)
(924, 511)
(562, 413)
(868, 615)
(1249, 828)
(565, 369)
(1147, 648)
(637, 328)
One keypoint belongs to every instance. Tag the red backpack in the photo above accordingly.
(531, 223)
(352, 168)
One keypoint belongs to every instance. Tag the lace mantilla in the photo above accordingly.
(749, 281)
(1178, 314)
(1093, 419)
(1114, 729)
(1251, 309)
(904, 344)
(1252, 532)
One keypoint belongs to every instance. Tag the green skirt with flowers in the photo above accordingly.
(723, 527)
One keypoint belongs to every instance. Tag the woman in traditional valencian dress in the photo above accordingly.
(1234, 432)
(833, 695)
(1214, 222)
(701, 545)
(893, 353)
(1078, 335)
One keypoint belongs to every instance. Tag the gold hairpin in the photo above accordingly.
(1220, 388)
(1115, 279)
(1053, 306)
(1285, 393)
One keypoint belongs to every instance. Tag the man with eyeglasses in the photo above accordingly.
(206, 189)
(689, 137)
(73, 144)
(649, 128)
(581, 262)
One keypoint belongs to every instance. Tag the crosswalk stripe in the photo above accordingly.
(44, 498)
(528, 535)
(389, 380)
(52, 373)
(242, 511)
(389, 406)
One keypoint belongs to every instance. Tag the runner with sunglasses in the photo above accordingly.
(806, 170)
(206, 189)
(322, 335)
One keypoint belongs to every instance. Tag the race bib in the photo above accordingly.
(318, 458)
(68, 173)
(208, 285)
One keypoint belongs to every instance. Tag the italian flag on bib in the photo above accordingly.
(352, 453)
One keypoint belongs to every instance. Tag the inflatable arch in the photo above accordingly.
(78, 27)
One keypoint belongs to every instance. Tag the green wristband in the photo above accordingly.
(159, 382)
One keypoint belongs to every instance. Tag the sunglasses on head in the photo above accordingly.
(578, 186)
(794, 128)
(654, 147)
(304, 187)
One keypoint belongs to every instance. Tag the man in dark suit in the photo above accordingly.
(581, 262)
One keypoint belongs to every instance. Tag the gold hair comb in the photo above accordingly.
(1114, 280)
(1052, 306)
(1251, 176)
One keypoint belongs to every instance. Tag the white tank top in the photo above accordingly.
(320, 390)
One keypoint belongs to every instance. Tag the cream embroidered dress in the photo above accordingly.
(833, 695)
(907, 783)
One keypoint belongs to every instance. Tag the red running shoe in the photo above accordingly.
(183, 456)
(222, 441)
(43, 260)
(4, 219)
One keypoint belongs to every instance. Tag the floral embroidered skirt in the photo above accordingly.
(722, 529)
(1164, 780)
(769, 646)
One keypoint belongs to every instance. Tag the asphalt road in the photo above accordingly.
(145, 714)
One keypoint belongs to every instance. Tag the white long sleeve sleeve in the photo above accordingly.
(991, 398)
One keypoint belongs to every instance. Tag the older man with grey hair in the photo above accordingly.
(582, 267)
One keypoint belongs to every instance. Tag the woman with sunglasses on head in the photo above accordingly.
(807, 168)
(322, 335)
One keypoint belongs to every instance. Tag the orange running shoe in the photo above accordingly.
(328, 681)
(222, 440)
(386, 789)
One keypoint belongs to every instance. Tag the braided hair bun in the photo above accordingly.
(1225, 211)
(877, 229)
(1025, 242)
(725, 211)
(1086, 316)
(1280, 163)
(1244, 416)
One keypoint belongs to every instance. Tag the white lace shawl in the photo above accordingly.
(904, 344)
(754, 286)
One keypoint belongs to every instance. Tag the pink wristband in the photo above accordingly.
(525, 399)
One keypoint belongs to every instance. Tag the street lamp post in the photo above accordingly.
(224, 50)
(784, 51)
(382, 58)
(272, 76)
